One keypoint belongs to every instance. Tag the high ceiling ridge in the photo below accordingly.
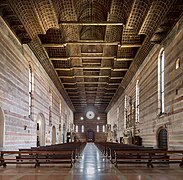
(91, 23)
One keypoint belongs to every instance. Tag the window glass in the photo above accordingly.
(97, 128)
(137, 102)
(103, 128)
(125, 111)
(76, 128)
(177, 63)
(162, 61)
(60, 107)
(82, 128)
(30, 90)
(161, 82)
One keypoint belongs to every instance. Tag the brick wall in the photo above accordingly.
(19, 129)
(150, 121)
(90, 124)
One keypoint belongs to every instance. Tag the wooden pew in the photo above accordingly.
(148, 157)
(113, 149)
(75, 147)
(37, 157)
(58, 153)
(109, 148)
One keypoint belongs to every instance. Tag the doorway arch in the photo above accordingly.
(40, 130)
(90, 135)
(1, 128)
(162, 138)
(54, 135)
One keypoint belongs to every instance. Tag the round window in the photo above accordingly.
(90, 114)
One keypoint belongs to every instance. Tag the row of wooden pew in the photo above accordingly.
(66, 153)
(132, 154)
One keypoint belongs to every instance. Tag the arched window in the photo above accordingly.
(60, 107)
(161, 74)
(50, 108)
(76, 128)
(97, 128)
(137, 102)
(60, 110)
(177, 63)
(103, 128)
(82, 128)
(2, 128)
(30, 91)
(50, 94)
(162, 139)
(117, 115)
(125, 112)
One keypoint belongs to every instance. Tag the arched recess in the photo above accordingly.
(90, 135)
(162, 138)
(60, 131)
(54, 135)
(40, 130)
(2, 127)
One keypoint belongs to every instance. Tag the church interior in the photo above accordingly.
(91, 80)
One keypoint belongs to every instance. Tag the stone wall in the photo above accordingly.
(18, 130)
(150, 120)
(90, 124)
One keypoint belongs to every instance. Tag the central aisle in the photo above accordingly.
(92, 165)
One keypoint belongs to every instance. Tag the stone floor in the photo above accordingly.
(91, 166)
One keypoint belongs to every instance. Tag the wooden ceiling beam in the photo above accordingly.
(114, 84)
(83, 76)
(92, 53)
(74, 83)
(123, 59)
(54, 45)
(89, 57)
(89, 76)
(120, 69)
(98, 88)
(119, 77)
(80, 43)
(98, 82)
(92, 23)
(82, 57)
(71, 88)
(129, 45)
(92, 57)
(92, 67)
(59, 59)
(94, 63)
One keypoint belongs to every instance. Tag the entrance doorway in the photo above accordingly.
(54, 135)
(162, 139)
(1, 128)
(40, 130)
(90, 136)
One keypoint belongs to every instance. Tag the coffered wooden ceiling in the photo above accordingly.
(91, 49)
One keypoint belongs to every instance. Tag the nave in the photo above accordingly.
(91, 165)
